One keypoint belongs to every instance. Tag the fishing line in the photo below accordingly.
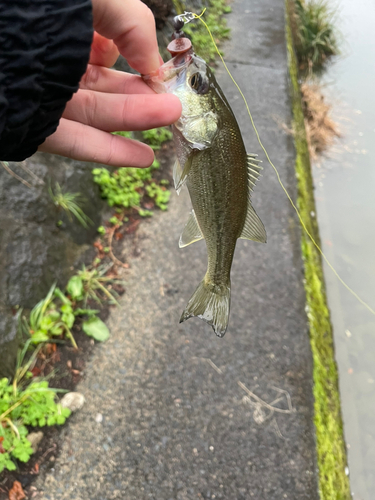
(188, 16)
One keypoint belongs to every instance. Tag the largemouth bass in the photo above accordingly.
(219, 174)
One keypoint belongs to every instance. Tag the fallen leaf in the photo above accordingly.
(133, 226)
(36, 371)
(1, 446)
(51, 348)
(16, 493)
(98, 245)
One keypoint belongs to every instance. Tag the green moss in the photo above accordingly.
(331, 453)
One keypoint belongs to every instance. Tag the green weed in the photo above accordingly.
(24, 403)
(315, 35)
(70, 203)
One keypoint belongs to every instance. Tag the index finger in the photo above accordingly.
(131, 25)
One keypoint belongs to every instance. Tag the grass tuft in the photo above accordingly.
(315, 36)
(70, 203)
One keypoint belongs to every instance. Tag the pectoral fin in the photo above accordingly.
(177, 173)
(180, 174)
(253, 228)
(184, 160)
(191, 232)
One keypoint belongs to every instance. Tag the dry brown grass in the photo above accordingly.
(321, 130)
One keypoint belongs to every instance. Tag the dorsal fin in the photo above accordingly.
(191, 232)
(253, 170)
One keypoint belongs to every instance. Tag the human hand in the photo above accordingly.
(110, 100)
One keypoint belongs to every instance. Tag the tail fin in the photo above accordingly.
(211, 303)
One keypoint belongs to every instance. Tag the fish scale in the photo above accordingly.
(210, 188)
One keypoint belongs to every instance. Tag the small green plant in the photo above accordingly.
(128, 135)
(101, 230)
(215, 20)
(86, 284)
(70, 203)
(48, 320)
(126, 187)
(115, 221)
(315, 35)
(55, 315)
(123, 186)
(159, 194)
(156, 137)
(145, 213)
(25, 403)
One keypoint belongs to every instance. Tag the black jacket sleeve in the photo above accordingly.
(44, 50)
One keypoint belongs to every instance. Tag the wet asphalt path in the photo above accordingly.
(166, 416)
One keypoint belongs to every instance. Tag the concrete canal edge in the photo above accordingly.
(330, 444)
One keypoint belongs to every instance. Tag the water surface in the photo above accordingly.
(345, 197)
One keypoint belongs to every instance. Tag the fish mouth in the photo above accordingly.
(171, 74)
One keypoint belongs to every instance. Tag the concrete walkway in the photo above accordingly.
(166, 417)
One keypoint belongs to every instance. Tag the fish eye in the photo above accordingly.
(195, 80)
(199, 83)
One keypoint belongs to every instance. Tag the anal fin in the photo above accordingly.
(191, 232)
